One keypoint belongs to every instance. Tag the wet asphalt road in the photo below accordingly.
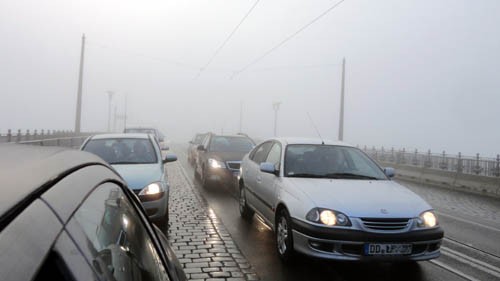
(256, 242)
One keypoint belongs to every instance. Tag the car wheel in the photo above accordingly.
(162, 223)
(283, 235)
(205, 182)
(196, 174)
(245, 211)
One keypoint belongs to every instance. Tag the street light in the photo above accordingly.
(276, 107)
(110, 96)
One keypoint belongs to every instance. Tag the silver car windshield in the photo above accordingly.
(123, 151)
(330, 161)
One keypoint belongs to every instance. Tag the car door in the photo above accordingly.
(266, 183)
(116, 239)
(252, 172)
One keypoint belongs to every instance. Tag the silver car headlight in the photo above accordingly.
(427, 219)
(328, 217)
(215, 164)
(152, 188)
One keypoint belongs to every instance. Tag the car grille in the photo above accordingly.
(233, 165)
(385, 224)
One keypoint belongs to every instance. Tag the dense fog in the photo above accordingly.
(419, 74)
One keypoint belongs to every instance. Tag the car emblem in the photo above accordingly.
(384, 211)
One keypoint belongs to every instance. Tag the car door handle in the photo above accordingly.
(259, 179)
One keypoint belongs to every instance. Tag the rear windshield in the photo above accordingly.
(231, 144)
(123, 151)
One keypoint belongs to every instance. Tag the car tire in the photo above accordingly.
(245, 212)
(162, 223)
(283, 236)
(205, 182)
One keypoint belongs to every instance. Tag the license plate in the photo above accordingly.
(387, 249)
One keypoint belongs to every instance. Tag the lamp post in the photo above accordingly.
(276, 107)
(110, 97)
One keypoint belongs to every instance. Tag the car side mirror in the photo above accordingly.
(161, 139)
(200, 147)
(164, 147)
(190, 142)
(170, 158)
(269, 168)
(389, 171)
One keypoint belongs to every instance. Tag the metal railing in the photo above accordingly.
(473, 165)
(45, 138)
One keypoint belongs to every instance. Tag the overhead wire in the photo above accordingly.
(217, 51)
(288, 38)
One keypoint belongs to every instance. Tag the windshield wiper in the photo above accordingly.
(350, 176)
(305, 175)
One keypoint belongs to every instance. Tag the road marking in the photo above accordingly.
(468, 221)
(452, 270)
(485, 267)
(470, 246)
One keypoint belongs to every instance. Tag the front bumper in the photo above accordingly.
(155, 205)
(223, 176)
(349, 244)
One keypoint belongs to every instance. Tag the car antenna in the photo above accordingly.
(315, 128)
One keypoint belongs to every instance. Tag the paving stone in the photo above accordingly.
(199, 238)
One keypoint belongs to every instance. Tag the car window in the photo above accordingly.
(261, 152)
(231, 144)
(123, 151)
(114, 239)
(330, 161)
(274, 155)
(198, 139)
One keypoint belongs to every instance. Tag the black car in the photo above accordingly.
(67, 215)
(192, 152)
(219, 159)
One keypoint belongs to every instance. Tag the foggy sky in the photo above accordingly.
(420, 74)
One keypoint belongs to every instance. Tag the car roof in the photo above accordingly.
(26, 170)
(295, 140)
(121, 136)
(141, 128)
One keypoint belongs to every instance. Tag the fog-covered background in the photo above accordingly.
(420, 74)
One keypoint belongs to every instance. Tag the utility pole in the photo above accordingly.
(125, 117)
(241, 116)
(276, 107)
(79, 94)
(110, 96)
(114, 120)
(341, 119)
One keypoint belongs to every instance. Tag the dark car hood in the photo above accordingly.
(226, 156)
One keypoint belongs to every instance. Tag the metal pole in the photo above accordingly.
(114, 120)
(79, 95)
(125, 118)
(241, 116)
(341, 119)
(110, 96)
(276, 107)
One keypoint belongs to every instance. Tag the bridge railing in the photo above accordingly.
(474, 165)
(45, 138)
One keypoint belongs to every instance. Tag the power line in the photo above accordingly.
(137, 54)
(288, 38)
(227, 40)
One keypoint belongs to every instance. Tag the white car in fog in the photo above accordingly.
(330, 200)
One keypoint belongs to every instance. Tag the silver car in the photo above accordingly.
(138, 159)
(330, 200)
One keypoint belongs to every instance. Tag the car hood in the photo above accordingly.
(138, 176)
(226, 156)
(362, 198)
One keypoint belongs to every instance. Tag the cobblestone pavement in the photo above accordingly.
(458, 201)
(199, 239)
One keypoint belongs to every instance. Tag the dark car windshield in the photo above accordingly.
(123, 151)
(231, 144)
(330, 161)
